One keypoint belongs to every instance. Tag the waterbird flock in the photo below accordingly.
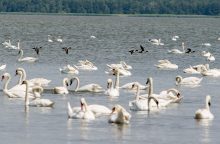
(30, 90)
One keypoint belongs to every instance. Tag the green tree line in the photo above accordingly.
(183, 7)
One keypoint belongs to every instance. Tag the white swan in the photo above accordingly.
(15, 92)
(197, 69)
(210, 72)
(205, 112)
(37, 102)
(26, 59)
(176, 51)
(69, 70)
(171, 94)
(141, 103)
(211, 58)
(188, 80)
(191, 70)
(206, 44)
(119, 115)
(156, 41)
(86, 88)
(49, 38)
(122, 71)
(166, 64)
(129, 86)
(174, 38)
(2, 67)
(121, 65)
(7, 44)
(113, 89)
(206, 54)
(83, 112)
(85, 65)
(35, 81)
(62, 89)
(59, 39)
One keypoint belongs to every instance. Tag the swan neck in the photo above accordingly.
(207, 103)
(26, 95)
(117, 80)
(77, 83)
(21, 54)
(137, 93)
(5, 87)
(150, 88)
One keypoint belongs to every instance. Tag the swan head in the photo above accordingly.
(25, 82)
(5, 76)
(178, 79)
(83, 104)
(65, 82)
(149, 80)
(208, 100)
(155, 100)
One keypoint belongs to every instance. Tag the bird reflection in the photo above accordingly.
(205, 124)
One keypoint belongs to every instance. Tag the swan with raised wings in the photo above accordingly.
(85, 65)
(69, 70)
(62, 89)
(166, 64)
(37, 102)
(26, 59)
(176, 51)
(205, 113)
(83, 112)
(15, 92)
(188, 80)
(86, 88)
(119, 115)
(35, 81)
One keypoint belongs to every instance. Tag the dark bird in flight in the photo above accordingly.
(37, 49)
(142, 49)
(189, 50)
(131, 51)
(66, 49)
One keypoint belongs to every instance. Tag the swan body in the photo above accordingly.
(2, 67)
(85, 65)
(69, 70)
(35, 81)
(170, 94)
(174, 38)
(176, 51)
(211, 58)
(206, 54)
(62, 89)
(119, 115)
(156, 41)
(86, 88)
(206, 44)
(166, 64)
(122, 72)
(210, 72)
(59, 39)
(197, 69)
(205, 113)
(129, 86)
(92, 36)
(26, 59)
(188, 80)
(49, 38)
(37, 102)
(121, 65)
(83, 113)
(191, 70)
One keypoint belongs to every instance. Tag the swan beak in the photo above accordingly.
(71, 81)
(81, 104)
(209, 103)
(178, 95)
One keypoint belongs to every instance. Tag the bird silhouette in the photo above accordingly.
(37, 49)
(131, 51)
(66, 49)
(189, 50)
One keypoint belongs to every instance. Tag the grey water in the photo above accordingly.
(115, 36)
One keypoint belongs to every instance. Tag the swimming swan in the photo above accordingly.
(86, 88)
(113, 89)
(35, 81)
(188, 80)
(37, 102)
(26, 59)
(205, 112)
(85, 65)
(16, 92)
(119, 115)
(166, 64)
(62, 89)
(83, 112)
(176, 51)
(68, 69)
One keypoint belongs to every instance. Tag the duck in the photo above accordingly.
(166, 64)
(25, 59)
(34, 81)
(83, 112)
(68, 69)
(62, 89)
(86, 88)
(37, 101)
(119, 115)
(188, 80)
(205, 113)
(176, 51)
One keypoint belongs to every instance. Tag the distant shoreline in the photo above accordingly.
(125, 15)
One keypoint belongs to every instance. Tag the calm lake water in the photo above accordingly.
(115, 36)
